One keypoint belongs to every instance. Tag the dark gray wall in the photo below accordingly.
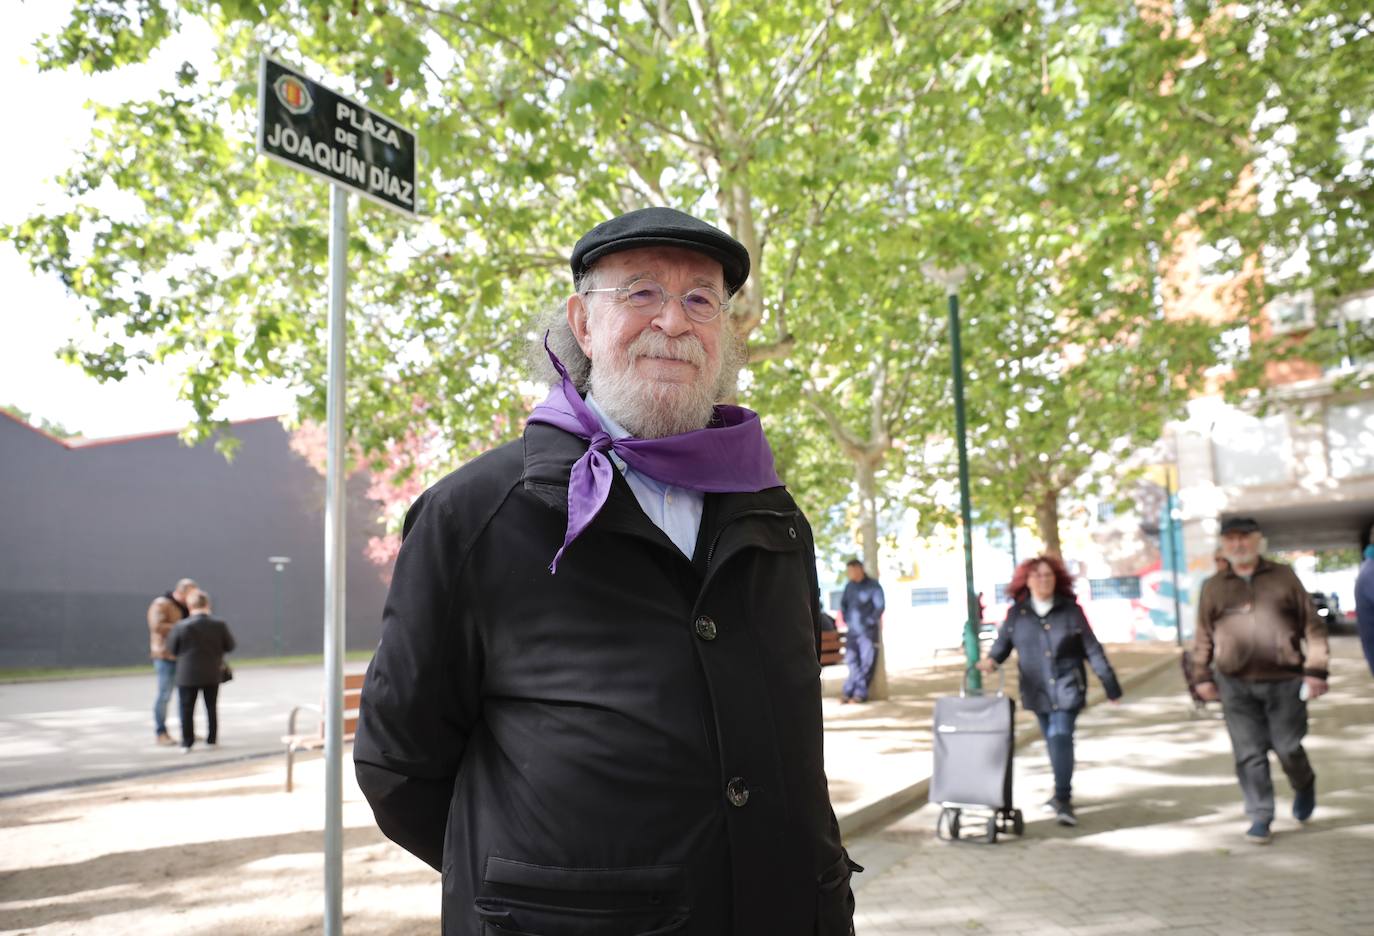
(89, 534)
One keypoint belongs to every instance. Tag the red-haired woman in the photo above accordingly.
(1047, 628)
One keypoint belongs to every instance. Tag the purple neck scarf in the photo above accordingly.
(733, 456)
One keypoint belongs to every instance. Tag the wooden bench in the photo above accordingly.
(296, 741)
(832, 647)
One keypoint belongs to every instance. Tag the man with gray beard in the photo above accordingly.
(596, 702)
(1261, 649)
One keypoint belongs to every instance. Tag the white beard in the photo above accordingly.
(652, 409)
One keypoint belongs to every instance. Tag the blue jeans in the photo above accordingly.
(1057, 727)
(861, 654)
(166, 671)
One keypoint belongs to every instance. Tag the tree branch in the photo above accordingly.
(503, 39)
(772, 351)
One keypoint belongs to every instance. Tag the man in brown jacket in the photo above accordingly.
(163, 614)
(1253, 622)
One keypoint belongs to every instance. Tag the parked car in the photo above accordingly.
(1329, 610)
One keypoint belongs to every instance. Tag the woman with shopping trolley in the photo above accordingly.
(1050, 633)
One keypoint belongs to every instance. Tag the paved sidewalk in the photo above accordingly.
(1159, 846)
(69, 731)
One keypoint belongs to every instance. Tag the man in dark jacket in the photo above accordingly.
(862, 605)
(595, 706)
(200, 643)
(1252, 624)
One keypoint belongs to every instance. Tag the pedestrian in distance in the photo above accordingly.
(1253, 623)
(595, 707)
(1050, 633)
(862, 606)
(200, 643)
(1364, 602)
(163, 614)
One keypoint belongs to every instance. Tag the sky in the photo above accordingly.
(37, 315)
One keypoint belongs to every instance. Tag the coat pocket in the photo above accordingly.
(835, 898)
(521, 899)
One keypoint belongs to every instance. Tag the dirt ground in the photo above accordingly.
(222, 850)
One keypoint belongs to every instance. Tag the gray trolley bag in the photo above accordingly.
(974, 742)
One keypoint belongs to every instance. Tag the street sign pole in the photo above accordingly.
(334, 567)
(313, 129)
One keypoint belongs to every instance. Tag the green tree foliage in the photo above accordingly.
(1287, 92)
(1056, 150)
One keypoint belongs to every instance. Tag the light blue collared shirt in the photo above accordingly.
(674, 510)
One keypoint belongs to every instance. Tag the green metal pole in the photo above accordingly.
(971, 652)
(1011, 526)
(1173, 555)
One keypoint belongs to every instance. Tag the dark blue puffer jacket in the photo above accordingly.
(1050, 651)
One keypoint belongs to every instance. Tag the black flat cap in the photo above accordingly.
(1239, 525)
(662, 227)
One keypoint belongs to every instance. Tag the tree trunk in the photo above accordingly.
(1047, 522)
(865, 474)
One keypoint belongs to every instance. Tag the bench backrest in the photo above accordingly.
(832, 648)
(352, 701)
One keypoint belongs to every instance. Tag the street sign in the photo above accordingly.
(307, 126)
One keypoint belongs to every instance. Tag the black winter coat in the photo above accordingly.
(1050, 651)
(200, 643)
(631, 746)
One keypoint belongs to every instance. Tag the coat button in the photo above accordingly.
(1047, 653)
(792, 532)
(736, 791)
(706, 628)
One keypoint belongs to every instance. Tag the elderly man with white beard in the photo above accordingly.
(1261, 649)
(595, 707)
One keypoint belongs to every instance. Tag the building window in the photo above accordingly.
(929, 596)
(1350, 439)
(1250, 450)
(1354, 333)
(1292, 313)
(1125, 586)
(835, 597)
(1001, 593)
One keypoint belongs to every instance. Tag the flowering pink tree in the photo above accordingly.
(395, 478)
(398, 474)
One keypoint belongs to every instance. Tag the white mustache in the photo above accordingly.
(658, 345)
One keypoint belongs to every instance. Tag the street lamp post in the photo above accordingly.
(279, 563)
(1172, 513)
(951, 279)
(1011, 528)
